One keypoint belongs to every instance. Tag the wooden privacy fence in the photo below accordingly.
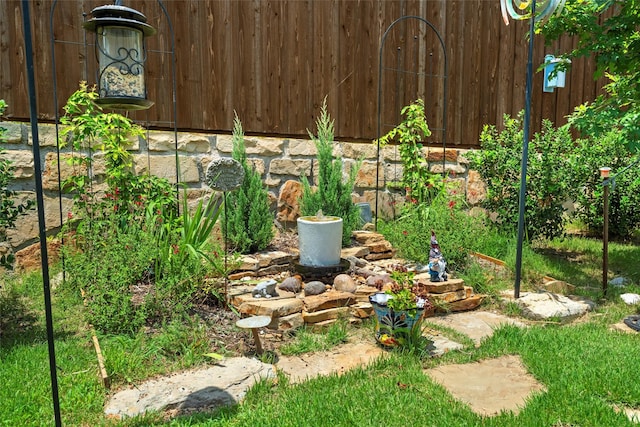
(273, 62)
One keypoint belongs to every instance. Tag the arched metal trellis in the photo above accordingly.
(415, 66)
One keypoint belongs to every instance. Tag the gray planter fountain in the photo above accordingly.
(320, 240)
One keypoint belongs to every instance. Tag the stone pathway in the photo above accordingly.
(227, 382)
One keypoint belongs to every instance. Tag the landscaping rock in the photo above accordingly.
(356, 251)
(363, 293)
(379, 256)
(285, 323)
(291, 284)
(274, 307)
(365, 237)
(266, 259)
(378, 280)
(619, 282)
(451, 285)
(323, 315)
(362, 310)
(331, 299)
(470, 303)
(337, 360)
(558, 287)
(288, 205)
(477, 325)
(344, 283)
(314, 288)
(449, 297)
(379, 247)
(630, 299)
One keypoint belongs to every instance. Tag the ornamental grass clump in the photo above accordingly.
(332, 195)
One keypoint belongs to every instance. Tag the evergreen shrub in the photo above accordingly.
(248, 225)
(333, 193)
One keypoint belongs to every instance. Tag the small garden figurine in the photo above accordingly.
(437, 264)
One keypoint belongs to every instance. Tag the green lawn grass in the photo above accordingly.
(586, 367)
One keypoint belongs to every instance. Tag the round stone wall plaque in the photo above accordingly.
(224, 174)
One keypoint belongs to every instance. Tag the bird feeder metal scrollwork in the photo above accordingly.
(120, 32)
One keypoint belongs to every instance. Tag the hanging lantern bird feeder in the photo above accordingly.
(120, 49)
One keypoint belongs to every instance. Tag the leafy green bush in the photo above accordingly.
(333, 194)
(624, 198)
(90, 130)
(456, 230)
(9, 210)
(249, 223)
(548, 175)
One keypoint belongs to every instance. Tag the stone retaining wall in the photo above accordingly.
(281, 162)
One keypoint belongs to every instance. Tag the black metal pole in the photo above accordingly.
(525, 153)
(33, 113)
(605, 240)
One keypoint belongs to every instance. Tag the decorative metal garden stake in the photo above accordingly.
(604, 174)
(547, 8)
(33, 114)
(120, 33)
(225, 175)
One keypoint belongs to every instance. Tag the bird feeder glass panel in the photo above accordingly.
(120, 50)
(121, 62)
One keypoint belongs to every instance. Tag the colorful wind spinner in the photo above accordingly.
(519, 9)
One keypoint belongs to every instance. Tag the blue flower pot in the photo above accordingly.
(393, 326)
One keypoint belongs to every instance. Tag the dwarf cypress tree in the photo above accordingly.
(333, 193)
(248, 226)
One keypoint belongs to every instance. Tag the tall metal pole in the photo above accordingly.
(33, 113)
(605, 240)
(525, 153)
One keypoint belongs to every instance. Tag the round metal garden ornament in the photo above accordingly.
(519, 9)
(224, 174)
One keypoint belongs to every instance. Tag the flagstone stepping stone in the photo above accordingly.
(477, 325)
(337, 360)
(546, 305)
(476, 384)
(226, 383)
(442, 345)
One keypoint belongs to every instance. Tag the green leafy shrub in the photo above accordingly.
(91, 131)
(548, 175)
(333, 193)
(9, 209)
(420, 184)
(624, 198)
(456, 230)
(249, 223)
